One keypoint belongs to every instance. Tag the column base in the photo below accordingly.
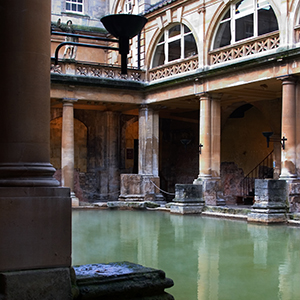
(75, 200)
(27, 175)
(46, 284)
(188, 199)
(140, 187)
(35, 227)
(270, 201)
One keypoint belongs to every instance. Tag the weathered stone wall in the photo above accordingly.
(231, 177)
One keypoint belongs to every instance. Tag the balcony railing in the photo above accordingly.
(184, 66)
(254, 46)
(96, 71)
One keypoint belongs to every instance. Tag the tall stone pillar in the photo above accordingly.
(110, 185)
(148, 141)
(145, 184)
(209, 150)
(67, 148)
(35, 213)
(205, 137)
(216, 137)
(288, 128)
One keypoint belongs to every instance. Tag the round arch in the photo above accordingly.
(157, 36)
(215, 21)
(295, 12)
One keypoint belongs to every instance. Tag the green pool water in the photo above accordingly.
(207, 258)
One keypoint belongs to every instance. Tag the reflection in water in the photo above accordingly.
(208, 259)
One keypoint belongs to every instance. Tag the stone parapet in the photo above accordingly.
(270, 201)
(188, 199)
(122, 280)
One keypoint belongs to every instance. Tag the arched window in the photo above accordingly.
(245, 19)
(175, 43)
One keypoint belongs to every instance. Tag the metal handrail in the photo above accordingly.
(248, 182)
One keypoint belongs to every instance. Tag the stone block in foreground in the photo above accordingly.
(270, 205)
(44, 284)
(124, 280)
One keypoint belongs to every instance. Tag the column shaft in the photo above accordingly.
(67, 145)
(148, 141)
(35, 213)
(205, 137)
(25, 91)
(216, 138)
(288, 155)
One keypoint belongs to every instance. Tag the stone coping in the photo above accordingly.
(228, 211)
(121, 280)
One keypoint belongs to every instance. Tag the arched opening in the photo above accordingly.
(175, 43)
(245, 19)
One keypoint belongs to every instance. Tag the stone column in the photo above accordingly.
(145, 184)
(209, 150)
(67, 147)
(205, 137)
(148, 141)
(216, 137)
(35, 213)
(288, 128)
(110, 185)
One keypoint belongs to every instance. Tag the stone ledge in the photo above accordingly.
(46, 284)
(123, 280)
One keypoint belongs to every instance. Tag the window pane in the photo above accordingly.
(68, 6)
(159, 56)
(267, 21)
(79, 1)
(190, 48)
(161, 39)
(186, 29)
(244, 28)
(174, 31)
(223, 37)
(174, 50)
(227, 15)
(244, 7)
(80, 7)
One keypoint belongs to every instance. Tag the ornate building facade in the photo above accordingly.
(211, 95)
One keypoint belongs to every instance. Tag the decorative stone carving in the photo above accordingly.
(245, 49)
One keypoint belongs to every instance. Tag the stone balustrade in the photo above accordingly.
(75, 68)
(164, 71)
(246, 48)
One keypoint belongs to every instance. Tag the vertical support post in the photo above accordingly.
(112, 156)
(205, 137)
(35, 213)
(215, 137)
(148, 141)
(288, 121)
(67, 147)
(209, 158)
